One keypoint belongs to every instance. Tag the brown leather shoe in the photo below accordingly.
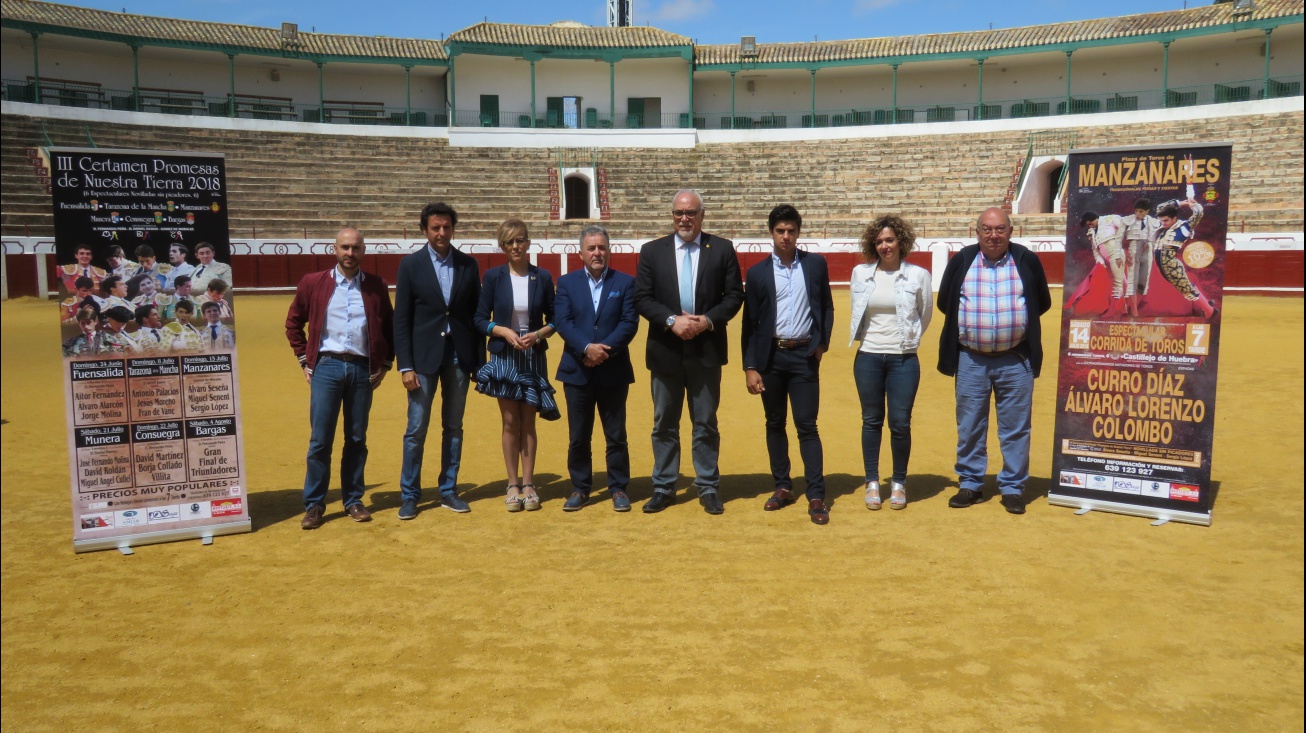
(312, 517)
(359, 513)
(779, 500)
(817, 511)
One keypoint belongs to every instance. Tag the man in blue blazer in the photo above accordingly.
(436, 345)
(788, 316)
(688, 287)
(595, 314)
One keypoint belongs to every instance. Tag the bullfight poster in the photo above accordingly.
(1140, 330)
(148, 335)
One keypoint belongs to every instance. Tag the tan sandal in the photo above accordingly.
(531, 501)
(514, 501)
(898, 495)
(873, 501)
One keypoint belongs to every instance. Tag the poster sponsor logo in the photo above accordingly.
(162, 514)
(196, 510)
(1184, 492)
(1156, 489)
(225, 507)
(1097, 482)
(235, 490)
(129, 518)
(1071, 478)
(101, 520)
(1126, 486)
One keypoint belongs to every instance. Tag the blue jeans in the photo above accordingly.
(1009, 379)
(890, 379)
(452, 382)
(336, 383)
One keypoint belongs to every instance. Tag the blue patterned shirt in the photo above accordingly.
(992, 316)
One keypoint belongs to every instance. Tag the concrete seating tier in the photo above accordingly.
(294, 185)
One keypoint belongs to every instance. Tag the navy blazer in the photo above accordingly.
(718, 294)
(760, 308)
(496, 304)
(614, 325)
(421, 314)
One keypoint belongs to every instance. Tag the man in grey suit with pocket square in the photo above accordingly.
(688, 287)
(788, 317)
(594, 312)
(436, 346)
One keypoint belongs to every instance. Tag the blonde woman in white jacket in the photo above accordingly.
(892, 301)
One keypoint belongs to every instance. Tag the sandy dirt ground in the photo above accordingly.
(928, 619)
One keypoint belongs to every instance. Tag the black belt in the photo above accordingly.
(342, 356)
(787, 344)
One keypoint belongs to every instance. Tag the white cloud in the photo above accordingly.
(673, 10)
(867, 6)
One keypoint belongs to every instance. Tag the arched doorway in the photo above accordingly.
(576, 193)
(1050, 189)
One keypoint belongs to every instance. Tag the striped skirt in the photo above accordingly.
(521, 376)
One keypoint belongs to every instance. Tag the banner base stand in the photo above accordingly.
(1162, 516)
(125, 544)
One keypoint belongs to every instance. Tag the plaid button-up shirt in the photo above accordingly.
(992, 316)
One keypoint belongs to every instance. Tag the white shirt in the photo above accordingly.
(521, 303)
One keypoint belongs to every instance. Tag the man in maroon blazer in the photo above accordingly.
(345, 355)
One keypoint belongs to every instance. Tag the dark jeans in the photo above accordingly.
(337, 384)
(794, 380)
(611, 404)
(891, 378)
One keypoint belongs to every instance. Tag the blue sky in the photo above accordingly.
(706, 21)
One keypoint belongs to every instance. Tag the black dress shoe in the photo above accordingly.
(661, 500)
(965, 498)
(1015, 503)
(712, 503)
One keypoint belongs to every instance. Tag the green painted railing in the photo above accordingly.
(170, 101)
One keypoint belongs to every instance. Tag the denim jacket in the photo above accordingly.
(912, 295)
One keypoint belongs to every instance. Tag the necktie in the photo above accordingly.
(687, 282)
(86, 272)
(155, 331)
(214, 331)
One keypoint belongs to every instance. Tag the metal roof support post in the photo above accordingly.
(1068, 54)
(813, 97)
(981, 88)
(732, 100)
(895, 94)
(453, 91)
(136, 77)
(1266, 87)
(612, 93)
(1165, 73)
(36, 69)
(231, 102)
(408, 95)
(532, 92)
(691, 93)
(321, 95)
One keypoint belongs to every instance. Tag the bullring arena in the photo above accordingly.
(927, 619)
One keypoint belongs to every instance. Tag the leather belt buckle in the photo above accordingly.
(787, 344)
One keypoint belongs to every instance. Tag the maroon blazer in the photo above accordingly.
(309, 308)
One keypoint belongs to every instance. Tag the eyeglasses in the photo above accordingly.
(522, 241)
(685, 213)
(994, 230)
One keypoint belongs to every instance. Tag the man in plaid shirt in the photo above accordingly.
(992, 295)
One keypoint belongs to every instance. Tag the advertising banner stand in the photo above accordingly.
(1140, 331)
(147, 328)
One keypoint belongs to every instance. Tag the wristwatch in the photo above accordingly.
(671, 321)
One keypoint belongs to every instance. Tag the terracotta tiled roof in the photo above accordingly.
(568, 36)
(216, 34)
(997, 40)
